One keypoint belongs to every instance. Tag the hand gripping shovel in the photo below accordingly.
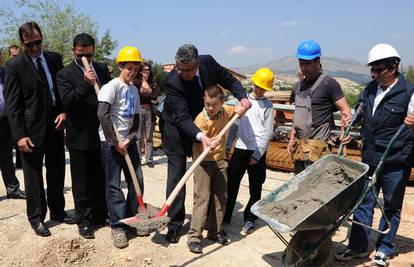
(143, 224)
(144, 210)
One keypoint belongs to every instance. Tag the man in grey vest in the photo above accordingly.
(316, 97)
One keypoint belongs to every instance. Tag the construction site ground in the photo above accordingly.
(19, 246)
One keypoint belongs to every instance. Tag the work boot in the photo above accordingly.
(348, 254)
(195, 247)
(119, 238)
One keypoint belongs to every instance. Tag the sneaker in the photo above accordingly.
(119, 238)
(143, 162)
(150, 164)
(348, 254)
(249, 227)
(380, 259)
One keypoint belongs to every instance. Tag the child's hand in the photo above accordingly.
(252, 162)
(215, 142)
(122, 147)
(240, 110)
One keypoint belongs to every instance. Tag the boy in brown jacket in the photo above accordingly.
(210, 177)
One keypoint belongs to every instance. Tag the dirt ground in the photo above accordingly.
(19, 246)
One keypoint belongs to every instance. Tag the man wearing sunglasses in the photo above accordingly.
(184, 89)
(75, 87)
(36, 120)
(386, 101)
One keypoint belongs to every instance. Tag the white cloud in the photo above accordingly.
(293, 23)
(243, 50)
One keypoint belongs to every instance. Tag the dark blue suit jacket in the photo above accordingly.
(184, 101)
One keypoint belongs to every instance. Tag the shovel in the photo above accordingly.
(144, 210)
(160, 220)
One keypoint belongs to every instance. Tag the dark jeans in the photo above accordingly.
(238, 165)
(88, 186)
(392, 181)
(113, 163)
(6, 165)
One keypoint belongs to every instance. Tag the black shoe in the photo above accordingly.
(150, 164)
(220, 238)
(65, 219)
(41, 229)
(172, 236)
(195, 247)
(86, 232)
(16, 195)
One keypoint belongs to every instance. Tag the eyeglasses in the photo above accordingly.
(378, 70)
(34, 43)
(84, 55)
(180, 70)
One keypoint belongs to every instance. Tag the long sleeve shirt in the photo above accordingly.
(256, 127)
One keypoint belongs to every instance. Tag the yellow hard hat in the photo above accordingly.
(129, 54)
(264, 79)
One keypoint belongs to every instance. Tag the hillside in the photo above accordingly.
(336, 67)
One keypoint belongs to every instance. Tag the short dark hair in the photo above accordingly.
(214, 91)
(27, 30)
(187, 53)
(83, 39)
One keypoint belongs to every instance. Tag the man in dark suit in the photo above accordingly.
(8, 171)
(36, 120)
(75, 86)
(184, 89)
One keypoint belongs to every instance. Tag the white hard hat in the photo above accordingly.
(381, 51)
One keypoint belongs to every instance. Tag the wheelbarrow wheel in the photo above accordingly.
(302, 242)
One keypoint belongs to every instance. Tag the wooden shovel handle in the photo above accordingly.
(127, 158)
(190, 171)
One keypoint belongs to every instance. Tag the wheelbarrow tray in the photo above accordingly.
(325, 214)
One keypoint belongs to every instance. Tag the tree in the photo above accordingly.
(59, 24)
(158, 73)
(409, 74)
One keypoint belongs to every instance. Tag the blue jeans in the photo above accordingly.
(392, 180)
(113, 162)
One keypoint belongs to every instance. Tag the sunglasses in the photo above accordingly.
(378, 70)
(89, 55)
(34, 43)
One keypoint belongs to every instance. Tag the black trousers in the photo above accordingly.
(88, 187)
(37, 201)
(6, 158)
(238, 165)
(176, 170)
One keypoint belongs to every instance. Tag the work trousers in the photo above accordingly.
(210, 197)
(53, 151)
(88, 186)
(145, 133)
(113, 163)
(392, 180)
(238, 165)
(6, 158)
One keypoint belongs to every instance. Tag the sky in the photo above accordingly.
(242, 33)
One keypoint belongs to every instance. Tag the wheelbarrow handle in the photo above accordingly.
(348, 129)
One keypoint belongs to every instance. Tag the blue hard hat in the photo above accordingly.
(308, 50)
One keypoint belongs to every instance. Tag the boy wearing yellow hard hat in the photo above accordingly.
(253, 137)
(119, 107)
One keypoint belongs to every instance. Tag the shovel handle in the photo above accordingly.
(127, 157)
(357, 111)
(195, 164)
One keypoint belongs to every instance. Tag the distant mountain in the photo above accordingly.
(337, 67)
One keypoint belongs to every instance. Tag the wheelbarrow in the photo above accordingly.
(314, 226)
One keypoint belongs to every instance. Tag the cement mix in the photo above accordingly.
(311, 194)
